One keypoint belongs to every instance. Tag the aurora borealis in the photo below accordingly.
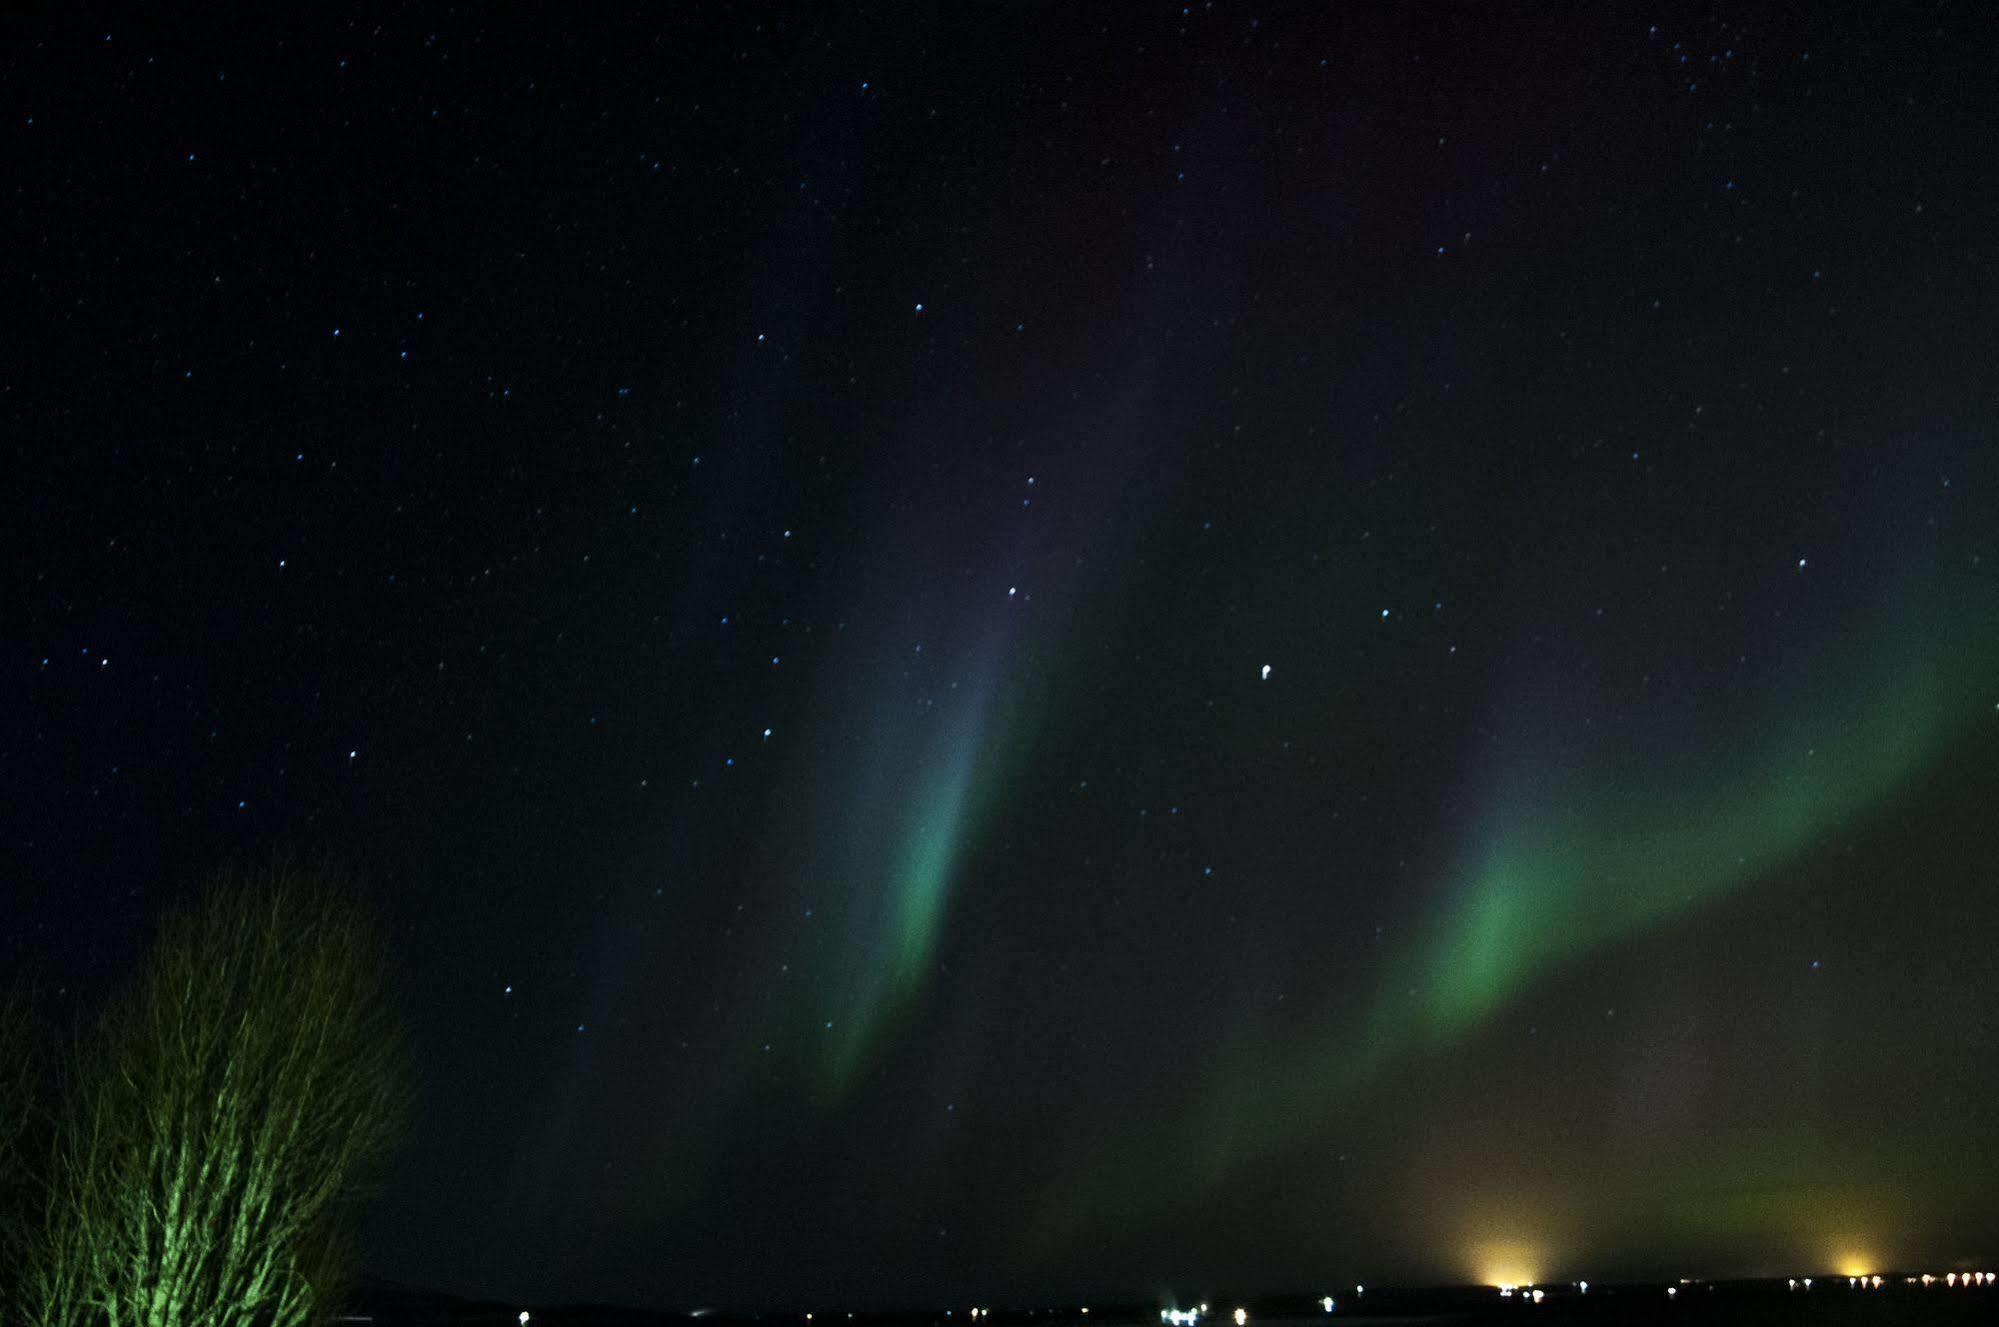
(1594, 854)
(995, 655)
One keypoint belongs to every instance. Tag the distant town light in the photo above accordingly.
(1241, 1317)
(1538, 1294)
(1326, 1303)
(1582, 1287)
(525, 1315)
(1671, 1291)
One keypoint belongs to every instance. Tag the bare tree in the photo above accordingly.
(17, 1095)
(18, 1115)
(235, 1097)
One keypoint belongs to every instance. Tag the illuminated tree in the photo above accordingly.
(17, 1099)
(18, 1115)
(235, 1096)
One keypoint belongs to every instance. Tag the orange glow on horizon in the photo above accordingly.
(1507, 1263)
(1853, 1264)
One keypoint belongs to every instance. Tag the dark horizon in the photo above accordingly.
(1001, 652)
(394, 1302)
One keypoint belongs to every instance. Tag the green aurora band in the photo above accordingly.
(928, 830)
(916, 802)
(1578, 861)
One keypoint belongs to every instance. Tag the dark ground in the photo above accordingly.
(1702, 1302)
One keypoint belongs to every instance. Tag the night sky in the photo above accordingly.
(992, 656)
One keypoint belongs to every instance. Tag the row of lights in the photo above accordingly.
(1190, 1317)
(1533, 1294)
(1954, 1279)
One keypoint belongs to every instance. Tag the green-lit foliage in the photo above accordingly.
(17, 1117)
(233, 1098)
(16, 1093)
